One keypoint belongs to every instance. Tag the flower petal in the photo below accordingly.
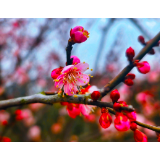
(67, 68)
(82, 66)
(85, 109)
(83, 80)
(70, 89)
(59, 83)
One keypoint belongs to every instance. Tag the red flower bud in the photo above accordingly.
(114, 95)
(95, 95)
(4, 123)
(105, 120)
(73, 110)
(56, 72)
(130, 53)
(18, 112)
(19, 117)
(123, 103)
(131, 115)
(133, 126)
(128, 82)
(121, 122)
(141, 39)
(130, 76)
(152, 51)
(143, 67)
(75, 61)
(5, 139)
(78, 34)
(116, 106)
(139, 136)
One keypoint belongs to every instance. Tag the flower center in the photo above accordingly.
(71, 76)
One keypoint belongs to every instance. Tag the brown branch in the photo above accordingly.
(119, 78)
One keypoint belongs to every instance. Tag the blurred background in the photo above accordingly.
(31, 48)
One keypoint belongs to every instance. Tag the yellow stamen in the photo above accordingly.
(88, 68)
(83, 62)
(91, 69)
(88, 84)
(56, 85)
(75, 96)
(91, 76)
(56, 80)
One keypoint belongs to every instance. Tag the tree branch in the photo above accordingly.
(50, 99)
(120, 77)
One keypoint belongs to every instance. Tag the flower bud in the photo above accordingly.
(116, 106)
(5, 139)
(130, 76)
(114, 95)
(4, 123)
(95, 95)
(128, 82)
(121, 122)
(56, 72)
(18, 112)
(152, 51)
(76, 60)
(78, 34)
(130, 53)
(143, 67)
(105, 120)
(73, 110)
(123, 103)
(133, 126)
(139, 136)
(141, 39)
(131, 115)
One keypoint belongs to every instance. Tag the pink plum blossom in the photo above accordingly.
(71, 77)
(86, 109)
(78, 34)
